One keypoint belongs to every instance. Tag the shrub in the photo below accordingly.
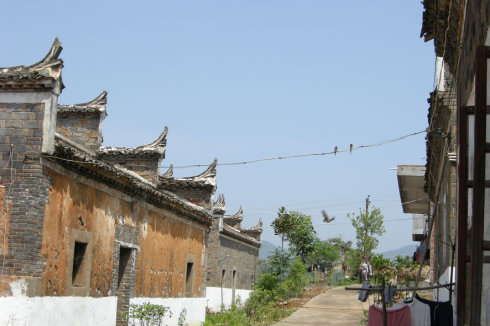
(234, 317)
(147, 314)
(267, 281)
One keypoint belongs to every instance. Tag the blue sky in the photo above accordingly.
(242, 80)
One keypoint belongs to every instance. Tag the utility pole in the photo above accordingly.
(366, 228)
(367, 205)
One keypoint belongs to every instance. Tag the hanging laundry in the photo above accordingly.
(399, 315)
(363, 295)
(389, 295)
(419, 313)
(441, 313)
(419, 254)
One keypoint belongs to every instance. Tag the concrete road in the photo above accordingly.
(334, 307)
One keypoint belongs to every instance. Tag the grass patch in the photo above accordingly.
(265, 315)
(346, 282)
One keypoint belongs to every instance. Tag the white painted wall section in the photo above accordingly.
(75, 311)
(213, 297)
(195, 309)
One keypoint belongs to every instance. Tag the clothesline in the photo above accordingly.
(383, 298)
(402, 289)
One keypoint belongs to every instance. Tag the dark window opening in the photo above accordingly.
(78, 255)
(233, 287)
(188, 279)
(124, 255)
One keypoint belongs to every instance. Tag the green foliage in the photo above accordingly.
(353, 259)
(367, 227)
(383, 268)
(303, 236)
(278, 262)
(345, 282)
(267, 281)
(234, 317)
(296, 280)
(283, 223)
(297, 229)
(147, 314)
(182, 318)
(325, 253)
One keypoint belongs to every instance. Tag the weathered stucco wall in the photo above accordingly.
(73, 205)
(166, 242)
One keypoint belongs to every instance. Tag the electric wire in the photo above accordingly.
(334, 152)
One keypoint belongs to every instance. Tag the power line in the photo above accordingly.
(334, 152)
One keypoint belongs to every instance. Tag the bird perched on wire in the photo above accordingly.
(351, 148)
(335, 150)
(326, 219)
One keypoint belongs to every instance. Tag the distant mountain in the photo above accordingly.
(266, 250)
(403, 251)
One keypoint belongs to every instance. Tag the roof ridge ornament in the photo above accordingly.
(101, 99)
(258, 228)
(220, 202)
(161, 141)
(157, 147)
(51, 57)
(169, 173)
(210, 172)
(45, 73)
(98, 104)
(237, 216)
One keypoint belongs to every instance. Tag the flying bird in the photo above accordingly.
(326, 219)
(335, 150)
(351, 148)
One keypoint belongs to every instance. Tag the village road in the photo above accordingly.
(334, 307)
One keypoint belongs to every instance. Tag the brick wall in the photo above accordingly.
(26, 184)
(82, 128)
(213, 270)
(201, 197)
(225, 253)
(475, 32)
(147, 168)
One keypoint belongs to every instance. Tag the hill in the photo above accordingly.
(403, 251)
(266, 250)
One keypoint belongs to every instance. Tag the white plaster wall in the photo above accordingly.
(195, 308)
(73, 311)
(213, 297)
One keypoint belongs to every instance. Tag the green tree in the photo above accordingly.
(302, 236)
(368, 226)
(297, 229)
(325, 253)
(278, 262)
(283, 224)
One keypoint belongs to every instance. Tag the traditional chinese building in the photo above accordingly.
(86, 230)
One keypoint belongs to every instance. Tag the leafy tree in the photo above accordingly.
(297, 229)
(367, 227)
(302, 236)
(278, 262)
(283, 224)
(353, 258)
(325, 253)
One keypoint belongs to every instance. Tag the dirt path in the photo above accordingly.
(334, 307)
